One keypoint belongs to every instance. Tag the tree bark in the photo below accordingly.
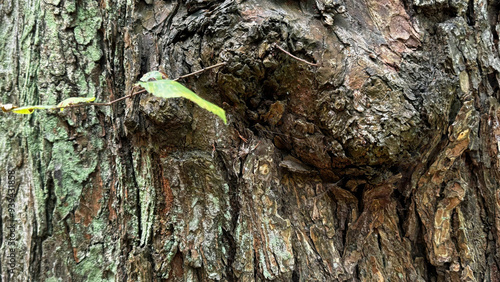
(380, 163)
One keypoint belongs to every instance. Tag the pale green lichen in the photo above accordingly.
(70, 6)
(53, 2)
(93, 51)
(48, 95)
(52, 279)
(7, 51)
(51, 129)
(98, 226)
(68, 173)
(87, 267)
(88, 23)
(50, 159)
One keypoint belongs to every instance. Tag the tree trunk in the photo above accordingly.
(379, 163)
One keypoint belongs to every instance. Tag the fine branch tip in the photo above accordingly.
(293, 56)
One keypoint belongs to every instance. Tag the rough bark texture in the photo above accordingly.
(381, 163)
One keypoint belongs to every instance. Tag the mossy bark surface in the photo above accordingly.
(379, 163)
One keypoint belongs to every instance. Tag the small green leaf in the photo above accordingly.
(75, 100)
(166, 88)
(30, 109)
(153, 75)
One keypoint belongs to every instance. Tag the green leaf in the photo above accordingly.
(75, 100)
(153, 75)
(30, 109)
(166, 88)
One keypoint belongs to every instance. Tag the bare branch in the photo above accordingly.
(119, 99)
(101, 104)
(137, 92)
(329, 187)
(296, 58)
(200, 71)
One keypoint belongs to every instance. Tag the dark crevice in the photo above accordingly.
(408, 5)
(161, 203)
(256, 274)
(494, 34)
(492, 79)
(356, 273)
(402, 210)
(439, 12)
(172, 15)
(432, 272)
(295, 276)
(199, 274)
(419, 251)
(471, 18)
(380, 247)
(358, 193)
(345, 228)
(455, 106)
(35, 264)
(138, 195)
(50, 204)
(126, 154)
(296, 273)
(232, 181)
(231, 254)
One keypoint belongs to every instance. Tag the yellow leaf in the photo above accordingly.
(30, 109)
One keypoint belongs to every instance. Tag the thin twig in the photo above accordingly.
(328, 189)
(136, 93)
(296, 58)
(199, 71)
(74, 106)
(101, 104)
(122, 98)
